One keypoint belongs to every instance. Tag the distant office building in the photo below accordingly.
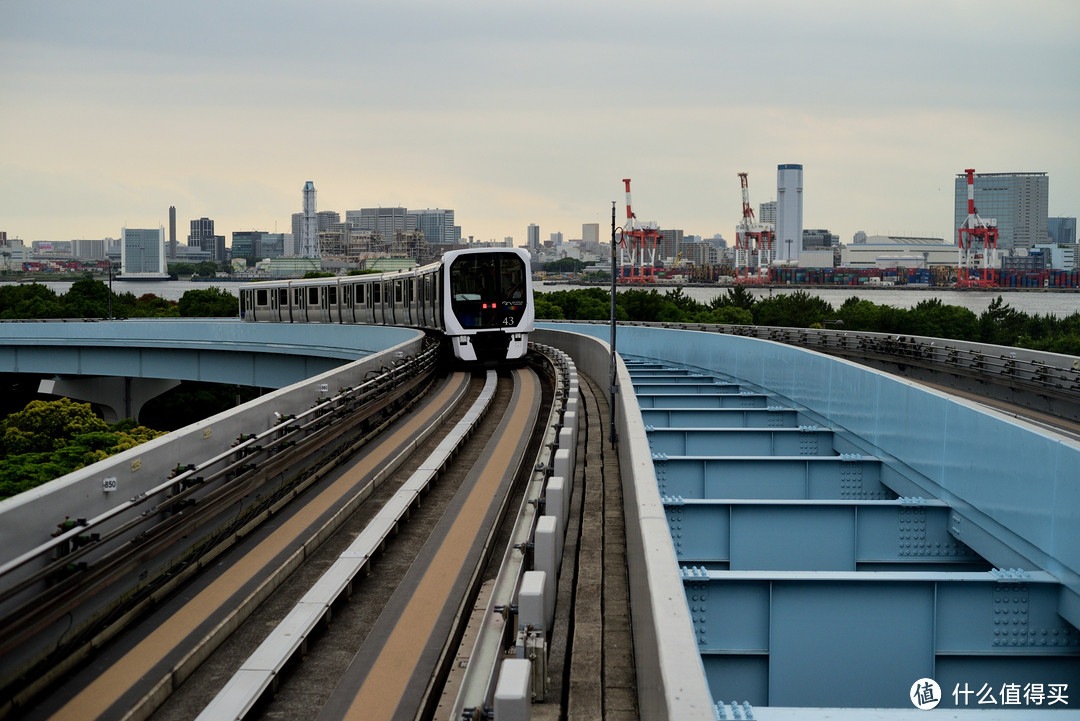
(701, 253)
(201, 231)
(767, 212)
(1062, 230)
(671, 242)
(142, 253)
(258, 244)
(859, 237)
(819, 239)
(557, 239)
(789, 212)
(532, 241)
(308, 231)
(386, 221)
(89, 249)
(1018, 201)
(1060, 256)
(590, 234)
(327, 219)
(436, 224)
(202, 237)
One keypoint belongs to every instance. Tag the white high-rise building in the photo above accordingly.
(142, 253)
(309, 225)
(789, 212)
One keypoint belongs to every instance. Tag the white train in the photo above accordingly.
(481, 299)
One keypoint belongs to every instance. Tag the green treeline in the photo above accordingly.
(89, 298)
(999, 324)
(47, 439)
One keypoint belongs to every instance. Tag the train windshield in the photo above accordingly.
(487, 290)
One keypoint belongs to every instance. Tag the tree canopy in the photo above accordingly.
(48, 439)
(999, 324)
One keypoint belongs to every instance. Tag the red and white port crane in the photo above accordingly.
(637, 246)
(750, 234)
(974, 232)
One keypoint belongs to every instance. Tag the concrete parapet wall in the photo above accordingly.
(671, 680)
(28, 519)
(1013, 487)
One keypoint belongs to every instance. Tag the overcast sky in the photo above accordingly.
(514, 112)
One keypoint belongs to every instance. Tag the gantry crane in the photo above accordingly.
(748, 234)
(976, 231)
(637, 246)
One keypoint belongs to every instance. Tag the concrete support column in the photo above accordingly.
(117, 397)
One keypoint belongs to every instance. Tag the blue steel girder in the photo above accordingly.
(669, 379)
(769, 417)
(648, 387)
(848, 476)
(800, 441)
(862, 639)
(703, 400)
(830, 535)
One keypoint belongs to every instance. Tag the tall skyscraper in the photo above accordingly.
(309, 225)
(1017, 201)
(533, 241)
(202, 237)
(789, 212)
(1062, 230)
(142, 252)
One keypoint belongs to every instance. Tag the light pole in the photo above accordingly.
(613, 383)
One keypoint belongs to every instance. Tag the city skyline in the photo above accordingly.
(513, 114)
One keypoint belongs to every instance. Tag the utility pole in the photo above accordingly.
(613, 383)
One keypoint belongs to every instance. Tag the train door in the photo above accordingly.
(436, 300)
(297, 306)
(347, 310)
(376, 302)
(280, 304)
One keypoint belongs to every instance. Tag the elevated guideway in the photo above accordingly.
(838, 533)
(121, 364)
(791, 519)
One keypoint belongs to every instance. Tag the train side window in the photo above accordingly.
(283, 297)
(360, 294)
(260, 297)
(376, 293)
(346, 295)
(313, 296)
(397, 292)
(331, 295)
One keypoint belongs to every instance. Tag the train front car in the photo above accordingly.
(488, 303)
